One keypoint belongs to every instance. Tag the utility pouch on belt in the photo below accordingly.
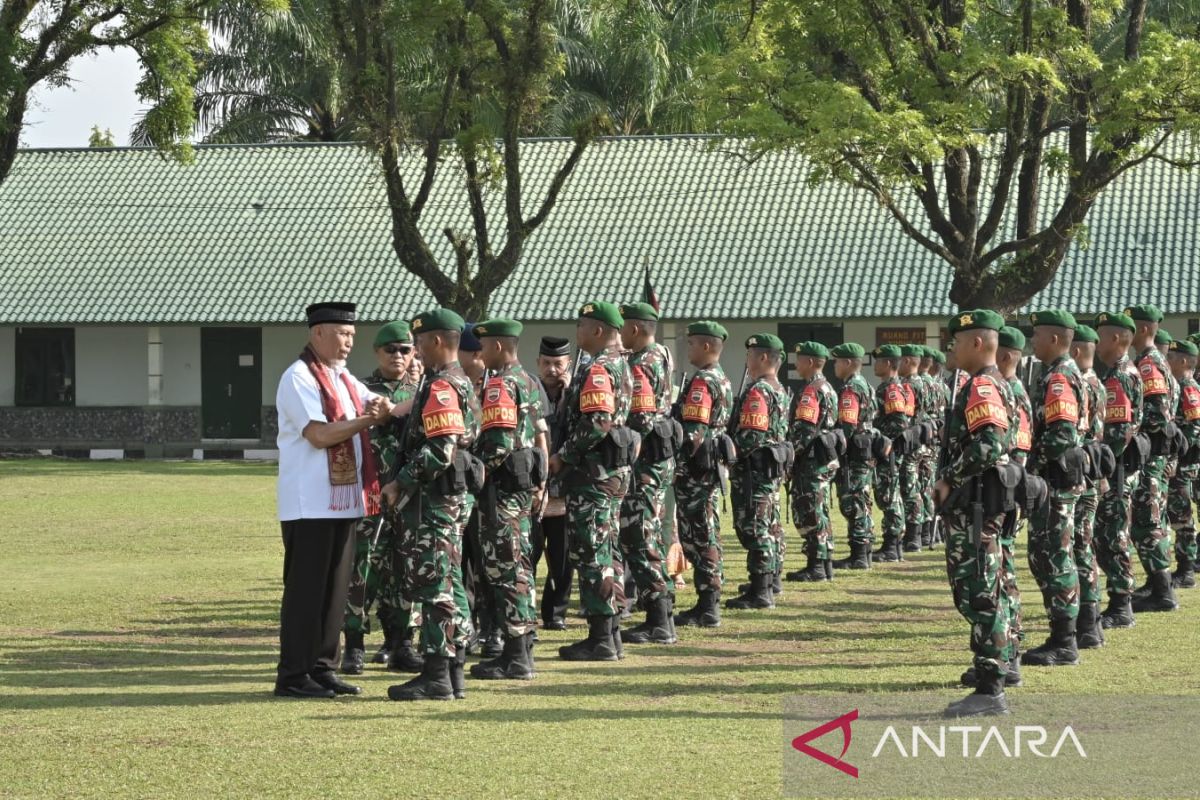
(772, 461)
(519, 472)
(465, 474)
(860, 446)
(1068, 470)
(619, 447)
(1137, 453)
(1101, 461)
(664, 441)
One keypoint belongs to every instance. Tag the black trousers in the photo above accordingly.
(550, 537)
(318, 555)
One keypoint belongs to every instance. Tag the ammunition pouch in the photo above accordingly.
(619, 448)
(826, 447)
(1162, 441)
(1004, 488)
(1137, 453)
(465, 474)
(1101, 461)
(928, 434)
(879, 447)
(1068, 470)
(907, 442)
(664, 441)
(772, 461)
(523, 470)
(860, 446)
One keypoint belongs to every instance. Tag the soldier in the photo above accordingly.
(811, 419)
(1059, 403)
(1122, 418)
(511, 444)
(892, 420)
(432, 479)
(642, 543)
(594, 463)
(376, 564)
(704, 410)
(937, 398)
(978, 439)
(1010, 351)
(1182, 360)
(759, 431)
(916, 464)
(1089, 633)
(1149, 500)
(856, 420)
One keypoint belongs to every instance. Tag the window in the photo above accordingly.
(793, 333)
(45, 367)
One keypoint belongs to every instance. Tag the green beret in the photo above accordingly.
(600, 311)
(1144, 313)
(765, 341)
(912, 350)
(439, 319)
(1086, 334)
(1054, 316)
(938, 356)
(887, 351)
(1012, 338)
(1194, 338)
(848, 350)
(1163, 337)
(983, 318)
(642, 311)
(927, 351)
(500, 326)
(707, 327)
(1185, 347)
(393, 332)
(1116, 320)
(812, 349)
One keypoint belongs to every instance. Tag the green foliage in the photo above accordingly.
(101, 138)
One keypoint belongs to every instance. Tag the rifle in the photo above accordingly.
(977, 528)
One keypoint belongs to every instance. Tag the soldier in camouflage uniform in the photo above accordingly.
(937, 398)
(512, 441)
(1182, 360)
(856, 420)
(1122, 418)
(642, 542)
(811, 419)
(1059, 403)
(1008, 359)
(594, 462)
(373, 577)
(1150, 536)
(759, 431)
(703, 409)
(978, 439)
(430, 486)
(893, 401)
(1089, 633)
(913, 492)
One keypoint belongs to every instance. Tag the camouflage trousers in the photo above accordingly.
(810, 512)
(887, 496)
(436, 578)
(699, 523)
(1052, 553)
(1151, 538)
(1111, 541)
(854, 501)
(504, 537)
(372, 580)
(911, 488)
(926, 478)
(1180, 492)
(1013, 522)
(978, 588)
(593, 526)
(643, 547)
(756, 521)
(1085, 552)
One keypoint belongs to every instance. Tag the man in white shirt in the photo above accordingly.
(325, 486)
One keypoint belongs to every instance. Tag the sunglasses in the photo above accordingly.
(392, 349)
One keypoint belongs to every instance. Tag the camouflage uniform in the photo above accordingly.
(1180, 492)
(760, 421)
(929, 409)
(1149, 535)
(979, 437)
(1122, 418)
(892, 419)
(642, 542)
(594, 405)
(704, 412)
(1022, 444)
(1085, 510)
(446, 418)
(912, 487)
(856, 415)
(511, 415)
(814, 411)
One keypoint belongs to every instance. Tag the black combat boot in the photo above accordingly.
(514, 664)
(598, 646)
(987, 700)
(1119, 613)
(927, 535)
(827, 565)
(813, 572)
(1059, 650)
(432, 684)
(1161, 597)
(705, 614)
(887, 550)
(1088, 633)
(912, 538)
(1012, 675)
(458, 681)
(859, 558)
(1184, 576)
(617, 640)
(657, 627)
(759, 595)
(385, 650)
(671, 617)
(353, 654)
(777, 581)
(405, 658)
(492, 642)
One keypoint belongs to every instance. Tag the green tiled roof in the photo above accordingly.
(251, 234)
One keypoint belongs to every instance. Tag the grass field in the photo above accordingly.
(138, 621)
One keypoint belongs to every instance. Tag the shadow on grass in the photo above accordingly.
(62, 467)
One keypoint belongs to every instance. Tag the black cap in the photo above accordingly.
(318, 313)
(554, 346)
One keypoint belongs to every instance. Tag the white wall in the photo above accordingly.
(111, 366)
(8, 366)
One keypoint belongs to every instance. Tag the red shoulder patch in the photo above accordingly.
(697, 405)
(894, 399)
(643, 393)
(984, 406)
(499, 407)
(1118, 408)
(1060, 404)
(910, 400)
(808, 406)
(849, 407)
(1189, 403)
(597, 395)
(1024, 431)
(1153, 381)
(754, 414)
(442, 414)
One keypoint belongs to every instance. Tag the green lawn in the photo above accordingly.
(138, 613)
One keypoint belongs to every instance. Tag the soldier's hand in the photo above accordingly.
(539, 501)
(556, 464)
(391, 494)
(383, 410)
(941, 491)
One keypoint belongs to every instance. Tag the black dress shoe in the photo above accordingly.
(308, 690)
(333, 683)
(555, 625)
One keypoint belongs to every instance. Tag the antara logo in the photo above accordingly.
(842, 722)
